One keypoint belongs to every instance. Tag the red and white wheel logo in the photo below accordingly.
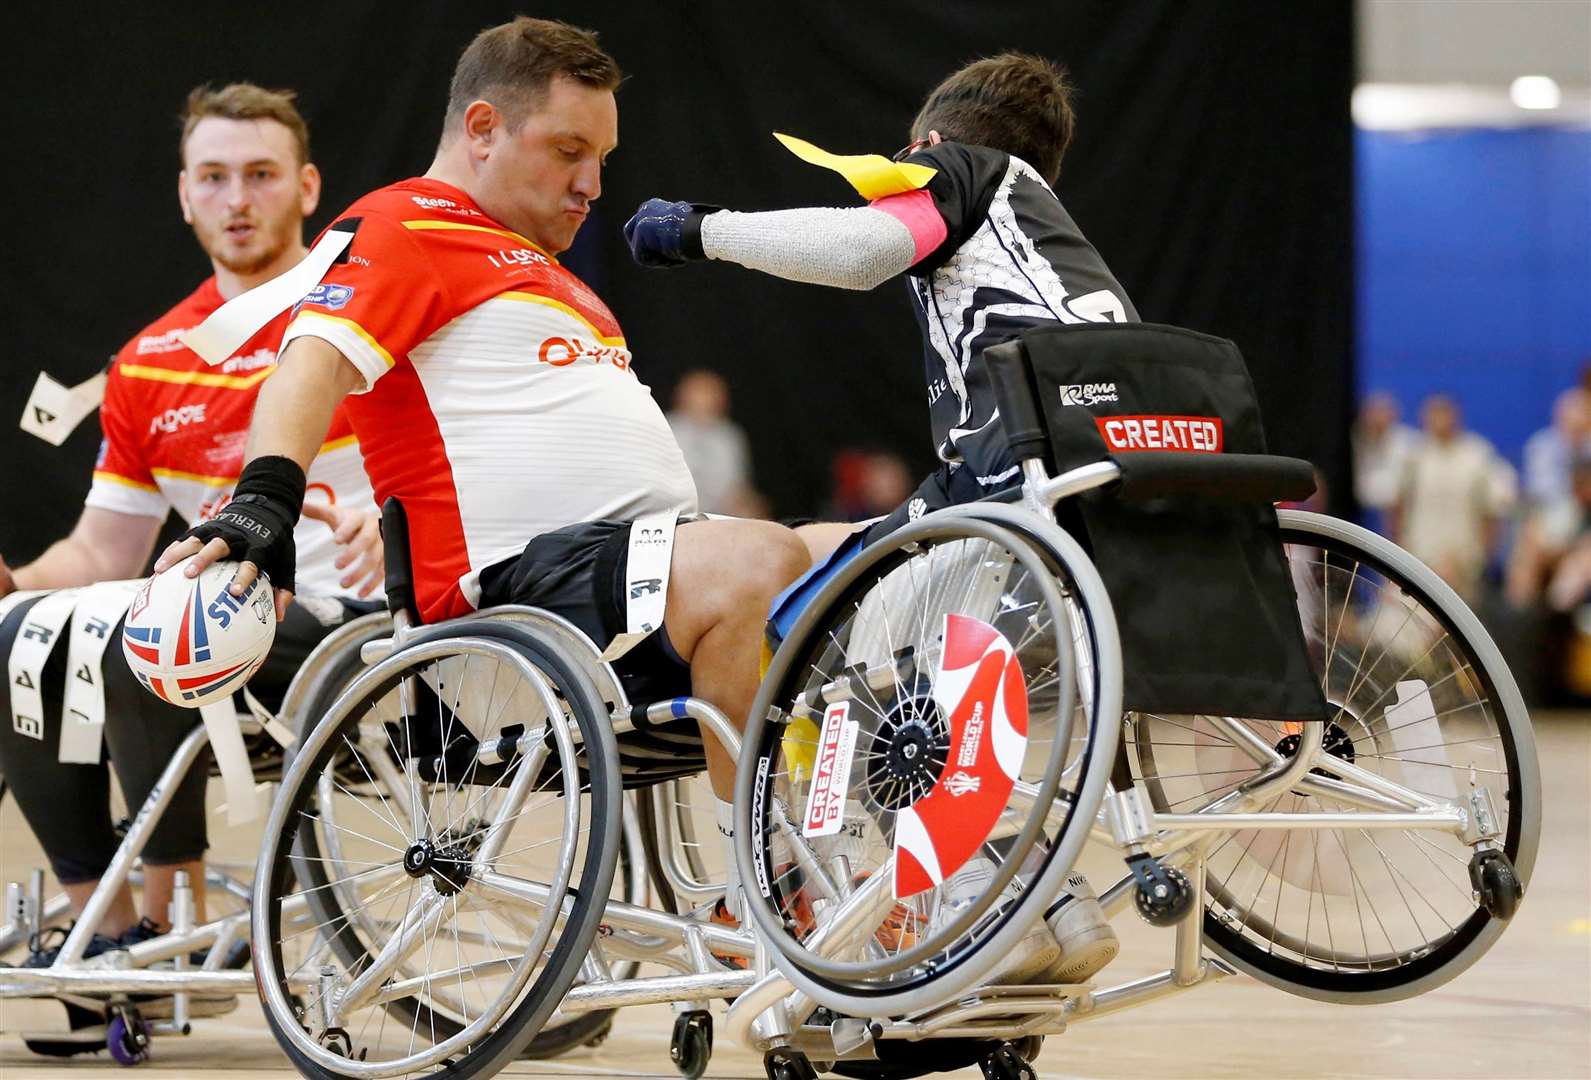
(981, 689)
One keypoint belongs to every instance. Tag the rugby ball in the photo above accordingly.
(190, 641)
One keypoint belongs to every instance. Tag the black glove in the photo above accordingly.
(257, 524)
(664, 233)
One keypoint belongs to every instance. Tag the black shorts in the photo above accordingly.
(578, 572)
(945, 486)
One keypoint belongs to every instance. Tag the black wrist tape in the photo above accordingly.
(276, 479)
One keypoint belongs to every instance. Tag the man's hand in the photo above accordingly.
(664, 234)
(359, 534)
(255, 527)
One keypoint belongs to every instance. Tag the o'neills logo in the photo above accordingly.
(1087, 393)
(1188, 434)
(561, 352)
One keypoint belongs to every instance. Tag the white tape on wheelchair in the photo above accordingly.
(83, 705)
(645, 580)
(243, 316)
(273, 727)
(29, 653)
(54, 410)
(237, 777)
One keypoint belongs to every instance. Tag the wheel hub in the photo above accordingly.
(914, 750)
(448, 866)
(1336, 742)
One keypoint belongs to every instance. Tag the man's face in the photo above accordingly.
(244, 192)
(541, 179)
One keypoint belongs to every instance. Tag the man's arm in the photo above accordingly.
(291, 417)
(858, 247)
(103, 546)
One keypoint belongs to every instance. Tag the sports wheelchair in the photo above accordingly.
(950, 717)
(120, 1001)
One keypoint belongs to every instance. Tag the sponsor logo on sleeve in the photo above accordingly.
(326, 295)
(1087, 393)
(1185, 434)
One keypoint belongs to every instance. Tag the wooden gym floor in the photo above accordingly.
(1523, 1011)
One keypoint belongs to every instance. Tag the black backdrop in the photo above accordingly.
(1212, 168)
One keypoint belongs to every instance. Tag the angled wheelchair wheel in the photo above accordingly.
(452, 824)
(922, 767)
(1422, 698)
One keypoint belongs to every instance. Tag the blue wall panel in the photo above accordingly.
(1474, 270)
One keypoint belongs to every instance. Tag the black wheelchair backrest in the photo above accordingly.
(1187, 541)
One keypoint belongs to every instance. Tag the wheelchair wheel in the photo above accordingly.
(920, 769)
(1422, 698)
(454, 820)
(679, 833)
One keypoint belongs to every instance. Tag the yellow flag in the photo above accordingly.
(872, 175)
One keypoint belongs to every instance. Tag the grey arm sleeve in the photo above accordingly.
(853, 248)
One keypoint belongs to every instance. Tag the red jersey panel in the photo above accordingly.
(499, 400)
(174, 430)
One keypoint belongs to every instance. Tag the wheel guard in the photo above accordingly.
(981, 689)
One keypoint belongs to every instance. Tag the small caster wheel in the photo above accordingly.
(1496, 884)
(127, 1036)
(1006, 1063)
(1163, 894)
(600, 1036)
(1029, 1048)
(784, 1064)
(691, 1045)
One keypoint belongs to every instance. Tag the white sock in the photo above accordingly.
(725, 813)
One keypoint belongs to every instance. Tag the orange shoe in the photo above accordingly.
(720, 916)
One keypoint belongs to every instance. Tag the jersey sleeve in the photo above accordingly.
(122, 479)
(381, 299)
(964, 182)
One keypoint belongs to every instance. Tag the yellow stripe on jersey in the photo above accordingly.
(208, 481)
(338, 444)
(425, 224)
(559, 305)
(355, 327)
(114, 478)
(197, 378)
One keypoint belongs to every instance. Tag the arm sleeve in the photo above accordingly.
(122, 480)
(964, 183)
(853, 248)
(379, 301)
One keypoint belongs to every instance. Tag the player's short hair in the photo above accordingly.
(512, 66)
(1015, 102)
(244, 101)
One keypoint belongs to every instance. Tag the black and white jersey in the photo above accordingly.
(1012, 259)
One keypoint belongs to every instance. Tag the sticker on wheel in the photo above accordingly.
(981, 689)
(831, 773)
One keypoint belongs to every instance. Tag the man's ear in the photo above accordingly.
(182, 196)
(934, 138)
(481, 123)
(308, 188)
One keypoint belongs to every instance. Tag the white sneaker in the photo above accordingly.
(1084, 941)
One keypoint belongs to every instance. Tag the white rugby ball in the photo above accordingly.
(190, 641)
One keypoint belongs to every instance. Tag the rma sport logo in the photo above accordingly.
(1087, 393)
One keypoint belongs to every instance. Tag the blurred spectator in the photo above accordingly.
(1550, 452)
(1455, 489)
(1551, 560)
(714, 446)
(1381, 445)
(868, 484)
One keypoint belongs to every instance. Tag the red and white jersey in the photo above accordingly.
(499, 399)
(174, 431)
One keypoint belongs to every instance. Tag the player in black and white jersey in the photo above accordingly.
(968, 214)
(984, 243)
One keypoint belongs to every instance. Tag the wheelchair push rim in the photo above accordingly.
(441, 874)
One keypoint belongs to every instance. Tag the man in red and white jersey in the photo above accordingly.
(174, 431)
(494, 395)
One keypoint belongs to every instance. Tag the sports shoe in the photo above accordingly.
(1077, 925)
(42, 955)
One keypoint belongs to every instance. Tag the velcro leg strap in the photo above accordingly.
(645, 580)
(29, 653)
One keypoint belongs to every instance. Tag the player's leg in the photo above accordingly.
(67, 806)
(724, 576)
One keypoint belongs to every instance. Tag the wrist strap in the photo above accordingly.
(276, 479)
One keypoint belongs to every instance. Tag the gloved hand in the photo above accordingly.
(664, 233)
(255, 527)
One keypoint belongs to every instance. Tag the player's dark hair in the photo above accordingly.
(1015, 102)
(512, 65)
(244, 101)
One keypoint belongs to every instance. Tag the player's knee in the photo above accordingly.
(776, 556)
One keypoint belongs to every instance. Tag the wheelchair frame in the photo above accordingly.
(772, 1012)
